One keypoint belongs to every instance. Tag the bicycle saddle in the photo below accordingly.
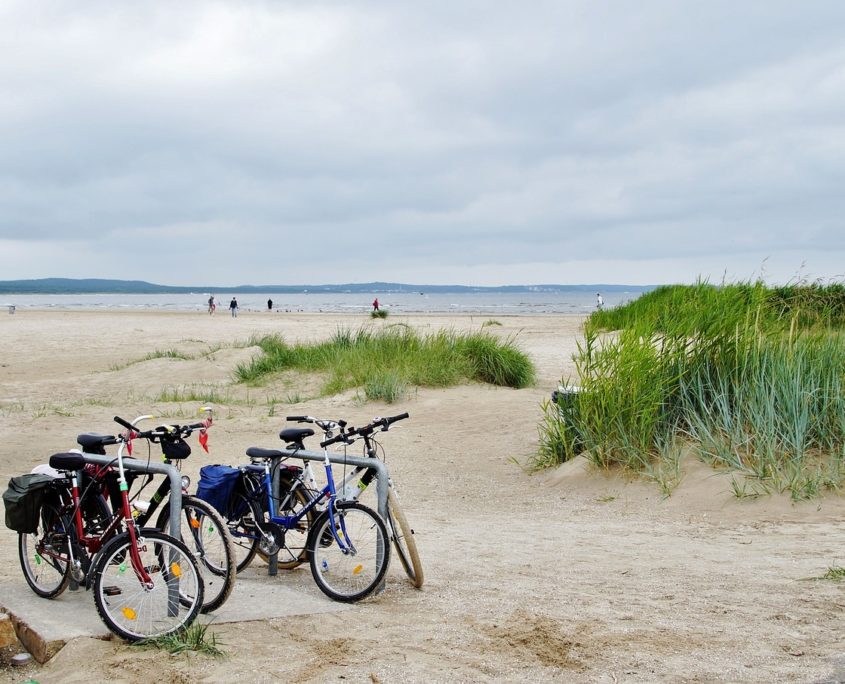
(93, 443)
(67, 461)
(295, 436)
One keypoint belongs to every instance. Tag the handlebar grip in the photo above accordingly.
(401, 416)
(124, 423)
(298, 419)
(332, 440)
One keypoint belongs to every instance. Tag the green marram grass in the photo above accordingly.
(385, 362)
(751, 376)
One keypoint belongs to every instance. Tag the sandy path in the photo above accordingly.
(565, 576)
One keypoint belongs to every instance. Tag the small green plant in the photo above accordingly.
(157, 354)
(196, 637)
(488, 323)
(835, 573)
(379, 313)
(51, 410)
(387, 387)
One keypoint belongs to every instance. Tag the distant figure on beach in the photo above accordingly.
(269, 305)
(599, 301)
(375, 304)
(233, 305)
(211, 305)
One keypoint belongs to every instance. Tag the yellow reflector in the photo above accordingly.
(357, 569)
(128, 613)
(175, 569)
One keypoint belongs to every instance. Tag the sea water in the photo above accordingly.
(481, 303)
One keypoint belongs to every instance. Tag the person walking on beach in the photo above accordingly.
(375, 304)
(211, 305)
(269, 305)
(599, 301)
(233, 305)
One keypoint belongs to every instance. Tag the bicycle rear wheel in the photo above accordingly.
(206, 534)
(44, 554)
(241, 519)
(293, 552)
(135, 611)
(403, 540)
(351, 573)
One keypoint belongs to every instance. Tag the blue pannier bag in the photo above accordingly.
(217, 482)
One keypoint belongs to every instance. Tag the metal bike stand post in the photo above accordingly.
(359, 462)
(273, 560)
(175, 504)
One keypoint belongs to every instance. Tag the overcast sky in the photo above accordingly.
(435, 142)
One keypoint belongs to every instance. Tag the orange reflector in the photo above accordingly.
(176, 569)
(195, 523)
(357, 569)
(128, 613)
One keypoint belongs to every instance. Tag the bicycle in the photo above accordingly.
(203, 529)
(146, 583)
(354, 484)
(347, 545)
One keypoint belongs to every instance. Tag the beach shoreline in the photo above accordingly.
(567, 575)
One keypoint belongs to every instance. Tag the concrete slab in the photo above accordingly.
(44, 626)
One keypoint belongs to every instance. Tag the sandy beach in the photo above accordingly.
(568, 575)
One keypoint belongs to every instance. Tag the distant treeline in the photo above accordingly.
(103, 286)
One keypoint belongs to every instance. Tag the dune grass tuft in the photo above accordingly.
(385, 362)
(751, 376)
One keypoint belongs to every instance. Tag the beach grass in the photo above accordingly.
(387, 361)
(751, 376)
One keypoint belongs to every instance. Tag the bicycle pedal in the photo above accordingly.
(112, 591)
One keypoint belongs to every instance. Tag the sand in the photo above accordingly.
(569, 575)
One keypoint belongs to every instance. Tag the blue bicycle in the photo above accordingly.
(347, 545)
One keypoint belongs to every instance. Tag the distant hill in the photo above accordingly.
(102, 286)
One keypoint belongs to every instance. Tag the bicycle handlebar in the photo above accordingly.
(377, 423)
(161, 430)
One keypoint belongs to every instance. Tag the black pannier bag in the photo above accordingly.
(23, 500)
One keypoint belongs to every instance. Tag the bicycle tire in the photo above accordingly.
(48, 575)
(241, 519)
(207, 535)
(403, 540)
(134, 612)
(349, 577)
(294, 552)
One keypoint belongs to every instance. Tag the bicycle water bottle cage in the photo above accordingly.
(293, 437)
(93, 443)
(67, 461)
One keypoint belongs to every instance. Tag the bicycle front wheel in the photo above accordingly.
(350, 566)
(44, 554)
(134, 610)
(403, 540)
(206, 534)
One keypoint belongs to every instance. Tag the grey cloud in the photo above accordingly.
(465, 133)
